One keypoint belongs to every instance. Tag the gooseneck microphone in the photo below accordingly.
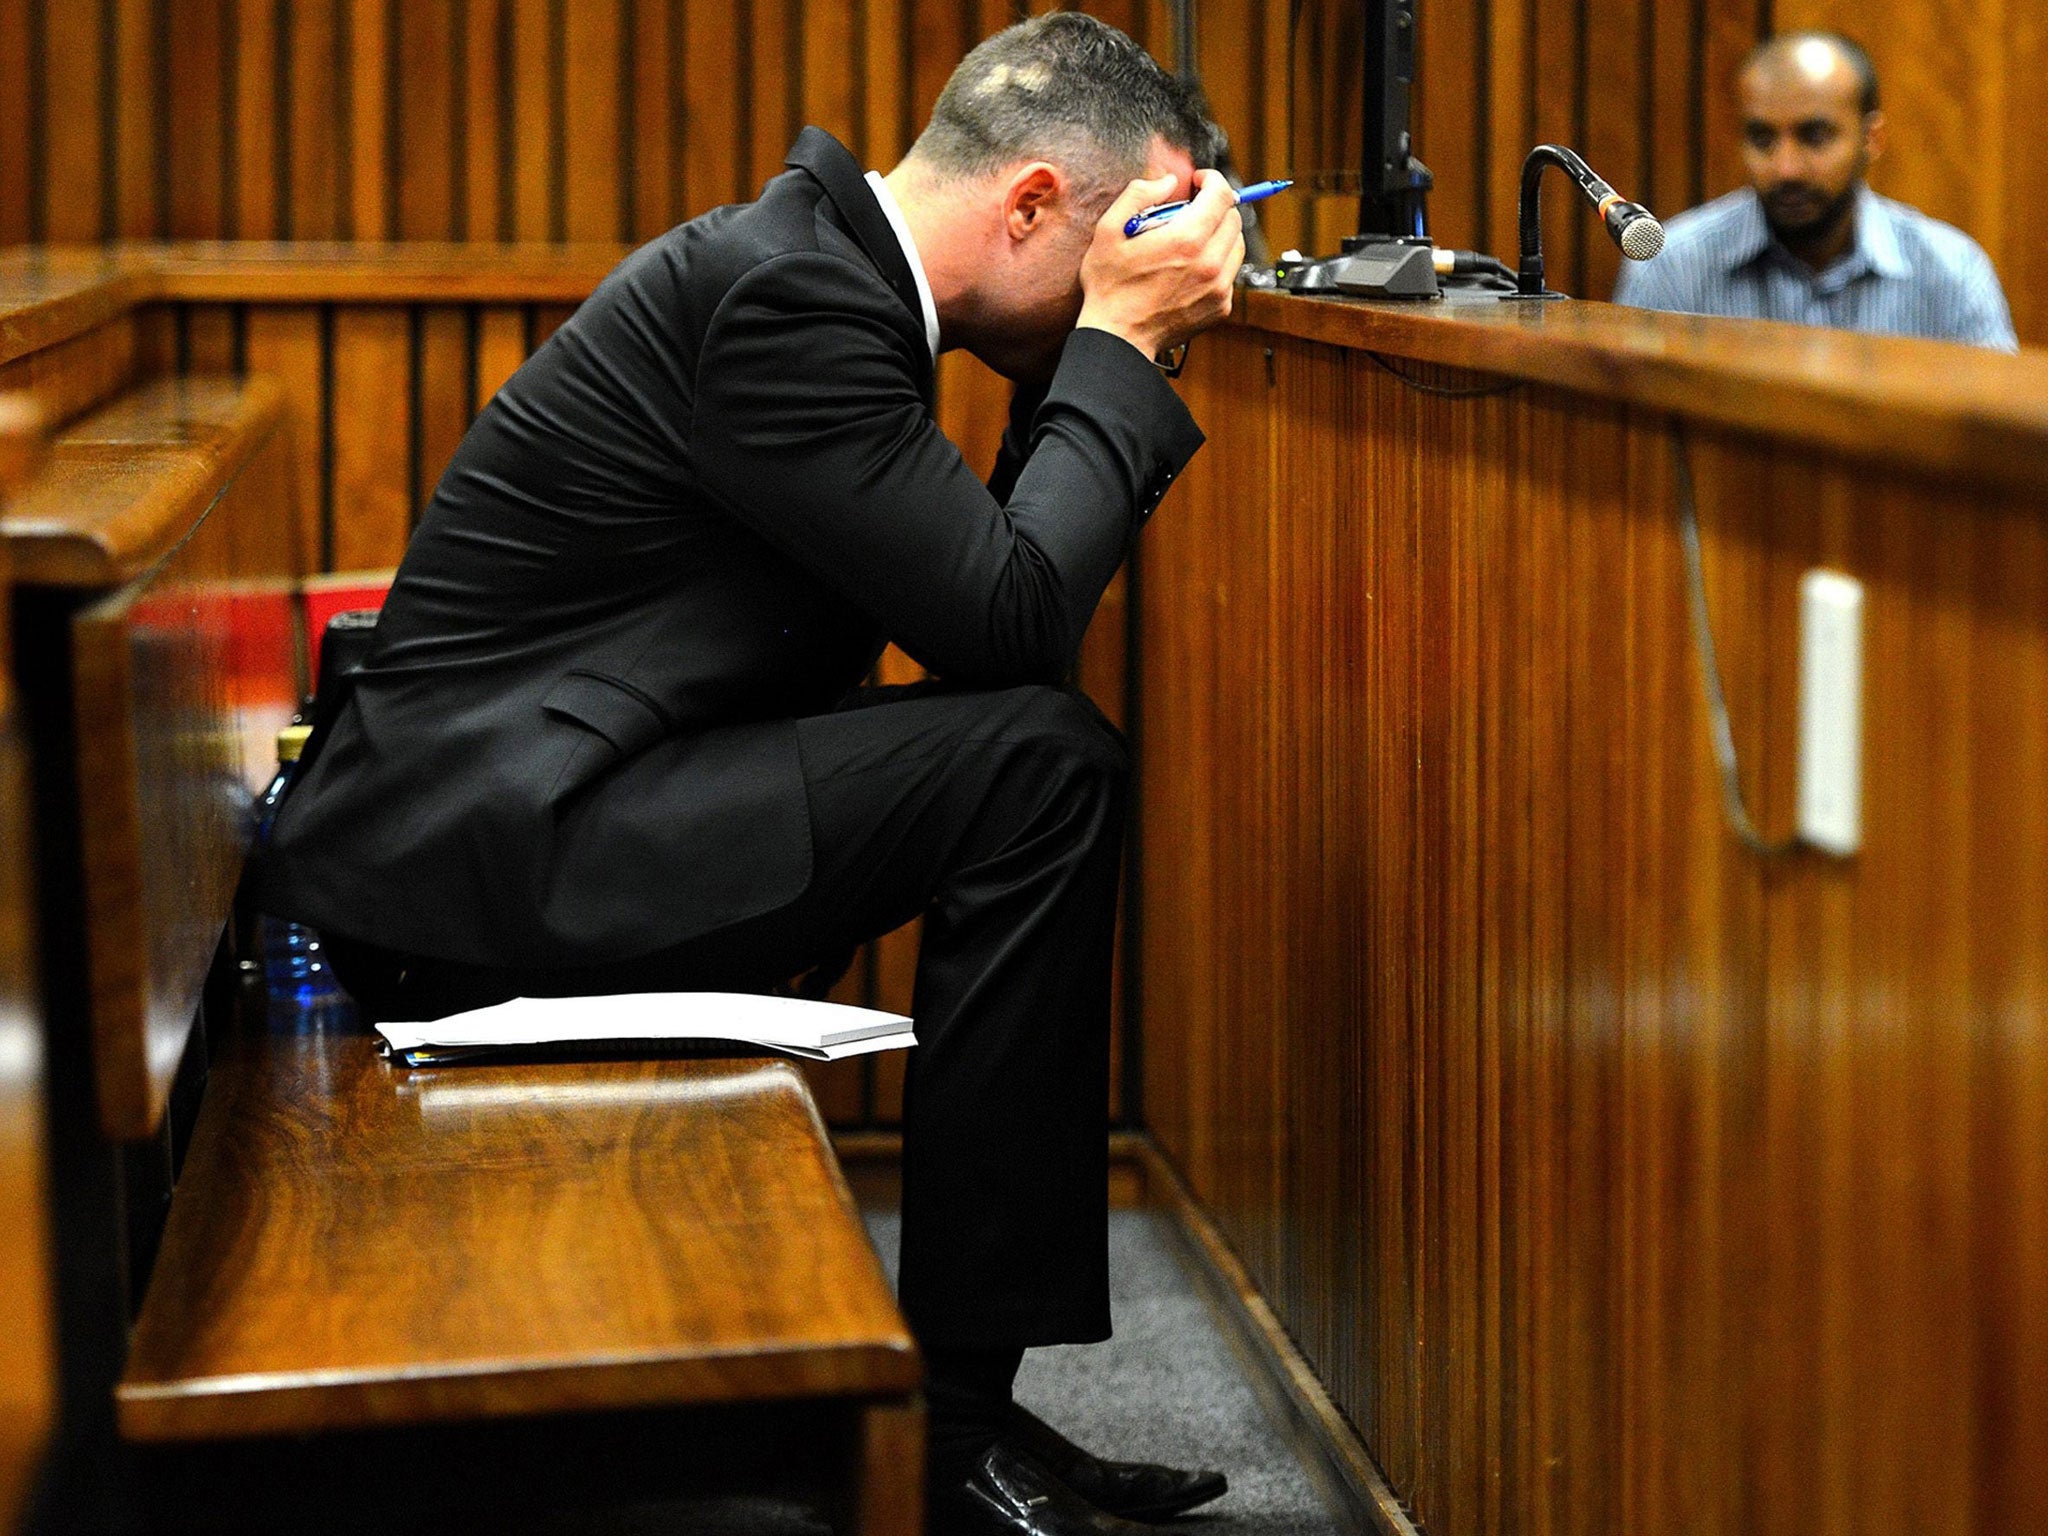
(1633, 227)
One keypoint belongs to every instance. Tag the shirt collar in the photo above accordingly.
(925, 301)
(1877, 237)
(1876, 250)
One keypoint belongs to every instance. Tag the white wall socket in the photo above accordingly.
(1831, 712)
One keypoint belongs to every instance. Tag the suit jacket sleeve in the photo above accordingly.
(810, 426)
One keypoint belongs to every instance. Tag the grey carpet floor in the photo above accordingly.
(1165, 1388)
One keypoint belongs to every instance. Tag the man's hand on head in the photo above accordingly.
(1161, 287)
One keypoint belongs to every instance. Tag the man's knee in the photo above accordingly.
(1064, 725)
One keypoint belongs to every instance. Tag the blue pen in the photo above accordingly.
(1152, 218)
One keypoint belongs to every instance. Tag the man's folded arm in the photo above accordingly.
(810, 427)
(1016, 444)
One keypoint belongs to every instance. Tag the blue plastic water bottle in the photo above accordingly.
(300, 992)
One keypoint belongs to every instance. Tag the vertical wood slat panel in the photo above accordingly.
(369, 126)
(74, 56)
(17, 124)
(715, 138)
(442, 409)
(197, 118)
(372, 492)
(424, 111)
(485, 212)
(313, 48)
(138, 211)
(255, 122)
(533, 67)
(886, 129)
(656, 79)
(283, 342)
(775, 67)
(500, 349)
(593, 138)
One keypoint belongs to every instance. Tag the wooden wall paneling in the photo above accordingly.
(595, 147)
(316, 129)
(196, 74)
(372, 488)
(655, 64)
(1305, 402)
(1557, 48)
(1390, 1380)
(2009, 1146)
(940, 36)
(209, 337)
(1230, 58)
(424, 112)
(443, 405)
(137, 192)
(1509, 117)
(1451, 1355)
(1242, 878)
(830, 48)
(500, 348)
(886, 128)
(544, 320)
(484, 206)
(1281, 218)
(18, 73)
(256, 157)
(1448, 113)
(775, 88)
(285, 343)
(1730, 31)
(1616, 97)
(716, 164)
(2022, 259)
(369, 26)
(1675, 171)
(74, 59)
(534, 66)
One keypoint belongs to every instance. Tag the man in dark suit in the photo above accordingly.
(611, 736)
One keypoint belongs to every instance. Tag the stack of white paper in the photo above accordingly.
(795, 1026)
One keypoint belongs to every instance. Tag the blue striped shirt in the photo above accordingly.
(1907, 274)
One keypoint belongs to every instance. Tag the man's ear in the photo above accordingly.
(1032, 195)
(1873, 136)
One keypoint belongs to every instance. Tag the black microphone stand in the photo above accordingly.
(1634, 229)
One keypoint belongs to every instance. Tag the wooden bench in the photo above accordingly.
(354, 1250)
(27, 1385)
(356, 1245)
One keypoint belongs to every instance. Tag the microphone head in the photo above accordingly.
(1635, 230)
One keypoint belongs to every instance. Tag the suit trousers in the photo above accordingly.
(998, 816)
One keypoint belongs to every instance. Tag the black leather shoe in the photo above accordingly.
(1136, 1490)
(1009, 1494)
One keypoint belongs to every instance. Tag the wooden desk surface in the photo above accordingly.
(353, 1243)
(1930, 405)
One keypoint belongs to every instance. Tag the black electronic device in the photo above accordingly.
(1354, 72)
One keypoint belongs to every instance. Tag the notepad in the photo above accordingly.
(654, 1021)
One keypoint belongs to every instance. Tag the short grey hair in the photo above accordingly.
(1067, 88)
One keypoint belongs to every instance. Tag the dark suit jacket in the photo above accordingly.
(694, 515)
